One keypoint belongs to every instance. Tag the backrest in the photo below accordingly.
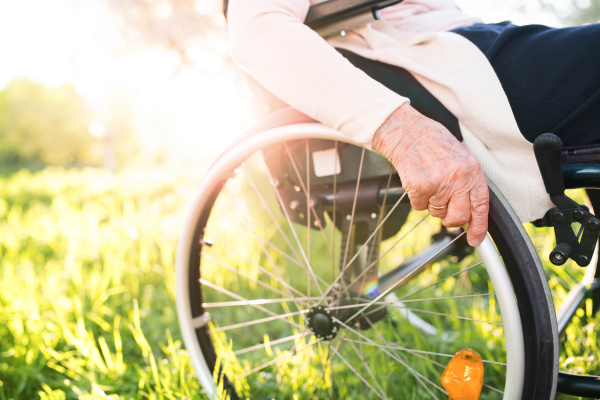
(333, 11)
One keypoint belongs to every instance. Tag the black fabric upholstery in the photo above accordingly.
(402, 82)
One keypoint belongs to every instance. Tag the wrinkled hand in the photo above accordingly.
(435, 168)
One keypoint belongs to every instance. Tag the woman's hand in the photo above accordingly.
(436, 170)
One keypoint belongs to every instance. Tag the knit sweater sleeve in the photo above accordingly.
(270, 42)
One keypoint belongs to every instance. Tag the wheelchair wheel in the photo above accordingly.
(303, 272)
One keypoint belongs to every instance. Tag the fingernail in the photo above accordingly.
(475, 242)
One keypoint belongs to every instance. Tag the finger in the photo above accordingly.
(459, 210)
(480, 205)
(419, 193)
(439, 200)
(437, 213)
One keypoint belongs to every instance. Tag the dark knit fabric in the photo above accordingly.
(551, 76)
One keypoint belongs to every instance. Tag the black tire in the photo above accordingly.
(524, 268)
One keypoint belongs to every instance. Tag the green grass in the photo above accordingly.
(87, 302)
(87, 306)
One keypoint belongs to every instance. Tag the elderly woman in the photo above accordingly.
(550, 77)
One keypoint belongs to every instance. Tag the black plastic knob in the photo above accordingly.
(592, 224)
(560, 254)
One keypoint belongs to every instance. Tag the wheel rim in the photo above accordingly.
(199, 353)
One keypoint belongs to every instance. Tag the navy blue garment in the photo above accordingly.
(551, 76)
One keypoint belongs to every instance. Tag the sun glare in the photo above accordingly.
(183, 109)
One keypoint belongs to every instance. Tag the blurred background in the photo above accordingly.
(119, 83)
(110, 113)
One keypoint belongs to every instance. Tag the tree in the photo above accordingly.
(578, 12)
(44, 125)
(194, 29)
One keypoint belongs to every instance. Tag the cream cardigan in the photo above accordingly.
(269, 40)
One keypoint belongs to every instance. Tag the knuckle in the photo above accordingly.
(481, 208)
(421, 188)
(457, 220)
(419, 206)
(474, 164)
(462, 174)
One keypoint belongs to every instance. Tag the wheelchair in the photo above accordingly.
(303, 272)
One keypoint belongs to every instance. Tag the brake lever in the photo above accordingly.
(547, 149)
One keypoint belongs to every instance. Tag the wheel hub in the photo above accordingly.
(321, 322)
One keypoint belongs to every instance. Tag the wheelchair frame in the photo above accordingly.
(514, 332)
(580, 169)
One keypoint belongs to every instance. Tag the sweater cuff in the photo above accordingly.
(358, 105)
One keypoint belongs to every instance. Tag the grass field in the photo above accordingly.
(87, 305)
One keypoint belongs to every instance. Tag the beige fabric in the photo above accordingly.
(459, 75)
(269, 40)
(419, 16)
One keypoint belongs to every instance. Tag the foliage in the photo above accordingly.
(585, 14)
(579, 12)
(193, 29)
(87, 308)
(42, 124)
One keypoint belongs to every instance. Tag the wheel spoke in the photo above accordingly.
(366, 366)
(493, 388)
(388, 250)
(236, 296)
(365, 244)
(260, 267)
(272, 215)
(266, 253)
(291, 225)
(441, 280)
(350, 226)
(337, 353)
(223, 241)
(400, 348)
(257, 301)
(384, 303)
(452, 316)
(403, 279)
(341, 274)
(378, 240)
(274, 342)
(443, 298)
(258, 237)
(256, 321)
(283, 357)
(306, 190)
(362, 158)
(416, 374)
(255, 394)
(237, 272)
(309, 207)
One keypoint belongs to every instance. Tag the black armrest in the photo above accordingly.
(331, 11)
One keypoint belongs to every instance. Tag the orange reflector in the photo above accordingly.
(463, 376)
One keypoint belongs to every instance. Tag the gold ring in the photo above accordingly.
(437, 208)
